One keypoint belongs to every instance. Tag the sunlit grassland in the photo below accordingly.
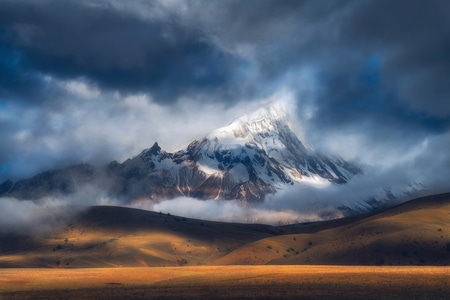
(331, 282)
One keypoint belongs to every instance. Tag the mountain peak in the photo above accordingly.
(269, 114)
(275, 111)
(272, 118)
(155, 149)
(272, 112)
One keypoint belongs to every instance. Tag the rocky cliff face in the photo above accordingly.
(256, 155)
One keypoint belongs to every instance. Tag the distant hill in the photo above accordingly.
(414, 233)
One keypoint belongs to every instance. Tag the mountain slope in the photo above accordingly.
(414, 233)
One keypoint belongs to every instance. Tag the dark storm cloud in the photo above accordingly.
(203, 49)
(414, 39)
(115, 49)
(18, 82)
(400, 80)
(368, 54)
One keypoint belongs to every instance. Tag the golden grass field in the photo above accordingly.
(244, 282)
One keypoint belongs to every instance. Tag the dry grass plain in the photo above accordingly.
(219, 282)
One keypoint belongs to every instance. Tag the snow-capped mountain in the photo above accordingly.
(256, 155)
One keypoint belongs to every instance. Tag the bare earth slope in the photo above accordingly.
(415, 233)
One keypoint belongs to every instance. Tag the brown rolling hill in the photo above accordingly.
(414, 233)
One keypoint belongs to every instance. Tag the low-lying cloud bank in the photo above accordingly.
(30, 218)
(42, 216)
(230, 211)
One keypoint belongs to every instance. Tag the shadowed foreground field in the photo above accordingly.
(245, 282)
